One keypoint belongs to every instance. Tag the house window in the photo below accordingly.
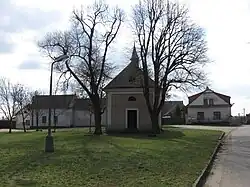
(27, 122)
(44, 119)
(55, 119)
(131, 98)
(211, 102)
(205, 102)
(131, 79)
(217, 115)
(200, 116)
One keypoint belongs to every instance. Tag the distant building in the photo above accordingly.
(66, 111)
(173, 113)
(208, 107)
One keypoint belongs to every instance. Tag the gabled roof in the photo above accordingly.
(222, 96)
(85, 104)
(169, 106)
(131, 76)
(54, 101)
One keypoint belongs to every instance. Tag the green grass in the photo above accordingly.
(174, 158)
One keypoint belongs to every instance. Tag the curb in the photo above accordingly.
(199, 182)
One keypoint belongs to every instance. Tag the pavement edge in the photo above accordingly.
(199, 182)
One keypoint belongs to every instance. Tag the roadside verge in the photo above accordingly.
(199, 182)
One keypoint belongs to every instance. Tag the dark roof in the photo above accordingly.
(54, 101)
(84, 104)
(130, 76)
(169, 106)
(222, 96)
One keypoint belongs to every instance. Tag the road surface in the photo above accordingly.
(220, 128)
(232, 165)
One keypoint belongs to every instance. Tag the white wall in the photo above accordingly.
(208, 113)
(19, 121)
(200, 99)
(64, 117)
(82, 118)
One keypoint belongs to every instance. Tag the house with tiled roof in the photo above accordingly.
(67, 111)
(61, 108)
(208, 107)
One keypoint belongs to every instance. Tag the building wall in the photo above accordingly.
(64, 117)
(118, 103)
(19, 121)
(82, 118)
(200, 99)
(194, 108)
(208, 114)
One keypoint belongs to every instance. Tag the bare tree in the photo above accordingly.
(24, 99)
(87, 43)
(35, 109)
(172, 47)
(8, 100)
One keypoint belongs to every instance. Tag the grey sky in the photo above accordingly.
(30, 65)
(23, 22)
(17, 19)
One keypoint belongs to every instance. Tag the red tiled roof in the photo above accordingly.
(222, 96)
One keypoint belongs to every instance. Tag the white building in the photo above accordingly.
(66, 111)
(26, 118)
(209, 107)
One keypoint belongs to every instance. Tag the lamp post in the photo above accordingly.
(49, 142)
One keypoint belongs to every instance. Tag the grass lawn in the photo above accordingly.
(172, 159)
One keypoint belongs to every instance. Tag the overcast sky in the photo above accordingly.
(227, 25)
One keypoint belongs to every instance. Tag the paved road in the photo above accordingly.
(13, 130)
(232, 166)
(220, 128)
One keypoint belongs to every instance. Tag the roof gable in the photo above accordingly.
(169, 106)
(131, 76)
(225, 98)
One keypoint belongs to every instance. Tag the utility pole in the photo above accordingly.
(244, 115)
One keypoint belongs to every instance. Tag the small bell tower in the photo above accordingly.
(134, 58)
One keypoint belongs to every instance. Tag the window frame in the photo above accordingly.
(28, 122)
(205, 102)
(55, 121)
(198, 116)
(217, 115)
(44, 119)
(131, 98)
(211, 103)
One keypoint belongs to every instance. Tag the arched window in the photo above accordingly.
(131, 98)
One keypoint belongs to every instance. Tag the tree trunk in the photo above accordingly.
(90, 121)
(24, 128)
(54, 116)
(32, 118)
(10, 126)
(98, 119)
(155, 123)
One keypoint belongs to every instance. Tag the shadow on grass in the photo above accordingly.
(167, 134)
(23, 182)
